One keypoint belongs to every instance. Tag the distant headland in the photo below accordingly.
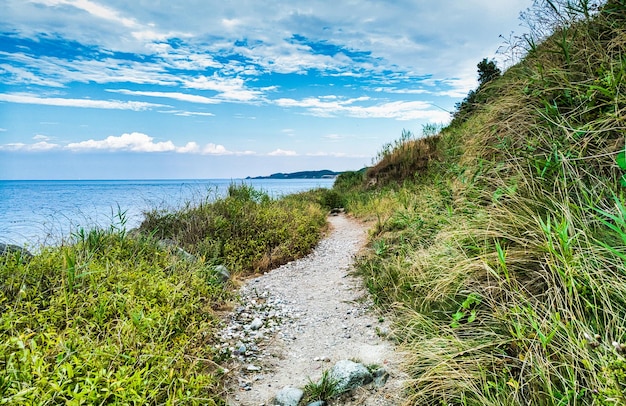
(323, 174)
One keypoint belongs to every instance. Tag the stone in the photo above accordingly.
(318, 403)
(222, 274)
(380, 377)
(288, 396)
(256, 324)
(172, 246)
(240, 349)
(8, 249)
(350, 375)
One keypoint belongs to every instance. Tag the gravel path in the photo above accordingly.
(298, 320)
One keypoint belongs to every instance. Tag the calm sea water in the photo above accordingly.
(35, 213)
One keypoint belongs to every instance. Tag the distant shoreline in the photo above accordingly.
(322, 174)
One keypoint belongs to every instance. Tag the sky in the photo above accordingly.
(201, 89)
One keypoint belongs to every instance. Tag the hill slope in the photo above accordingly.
(501, 240)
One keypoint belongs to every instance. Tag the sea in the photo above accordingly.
(37, 213)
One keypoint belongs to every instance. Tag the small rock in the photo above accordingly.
(241, 349)
(350, 375)
(318, 403)
(7, 249)
(222, 274)
(288, 396)
(253, 368)
(380, 377)
(256, 324)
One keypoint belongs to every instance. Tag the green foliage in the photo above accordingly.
(247, 230)
(326, 389)
(487, 71)
(112, 317)
(350, 180)
(621, 162)
(404, 159)
(331, 199)
(108, 319)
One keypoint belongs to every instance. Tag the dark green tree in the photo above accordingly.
(487, 71)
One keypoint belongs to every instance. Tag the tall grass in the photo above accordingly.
(246, 230)
(108, 319)
(504, 254)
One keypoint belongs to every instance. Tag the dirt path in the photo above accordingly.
(298, 320)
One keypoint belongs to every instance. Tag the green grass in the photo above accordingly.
(113, 317)
(247, 230)
(325, 389)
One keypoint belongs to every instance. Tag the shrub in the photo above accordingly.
(247, 230)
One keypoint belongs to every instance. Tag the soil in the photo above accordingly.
(314, 312)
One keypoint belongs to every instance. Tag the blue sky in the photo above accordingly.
(117, 89)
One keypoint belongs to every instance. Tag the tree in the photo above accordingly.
(487, 71)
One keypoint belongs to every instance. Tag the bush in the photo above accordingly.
(247, 230)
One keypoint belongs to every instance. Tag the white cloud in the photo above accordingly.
(399, 110)
(192, 98)
(184, 113)
(232, 89)
(41, 137)
(59, 72)
(396, 90)
(214, 149)
(458, 87)
(36, 147)
(84, 103)
(92, 8)
(445, 38)
(21, 75)
(281, 152)
(191, 147)
(136, 142)
(129, 142)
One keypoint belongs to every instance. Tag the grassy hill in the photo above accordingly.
(500, 241)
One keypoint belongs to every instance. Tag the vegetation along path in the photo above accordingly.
(297, 321)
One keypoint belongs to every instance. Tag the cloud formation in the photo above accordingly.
(130, 142)
(135, 142)
(400, 110)
(212, 78)
(82, 103)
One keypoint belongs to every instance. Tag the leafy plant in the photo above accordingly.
(467, 309)
(621, 162)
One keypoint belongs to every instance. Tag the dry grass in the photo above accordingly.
(505, 257)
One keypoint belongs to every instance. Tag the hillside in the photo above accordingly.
(500, 241)
(322, 174)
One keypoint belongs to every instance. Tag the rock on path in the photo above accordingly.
(298, 320)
